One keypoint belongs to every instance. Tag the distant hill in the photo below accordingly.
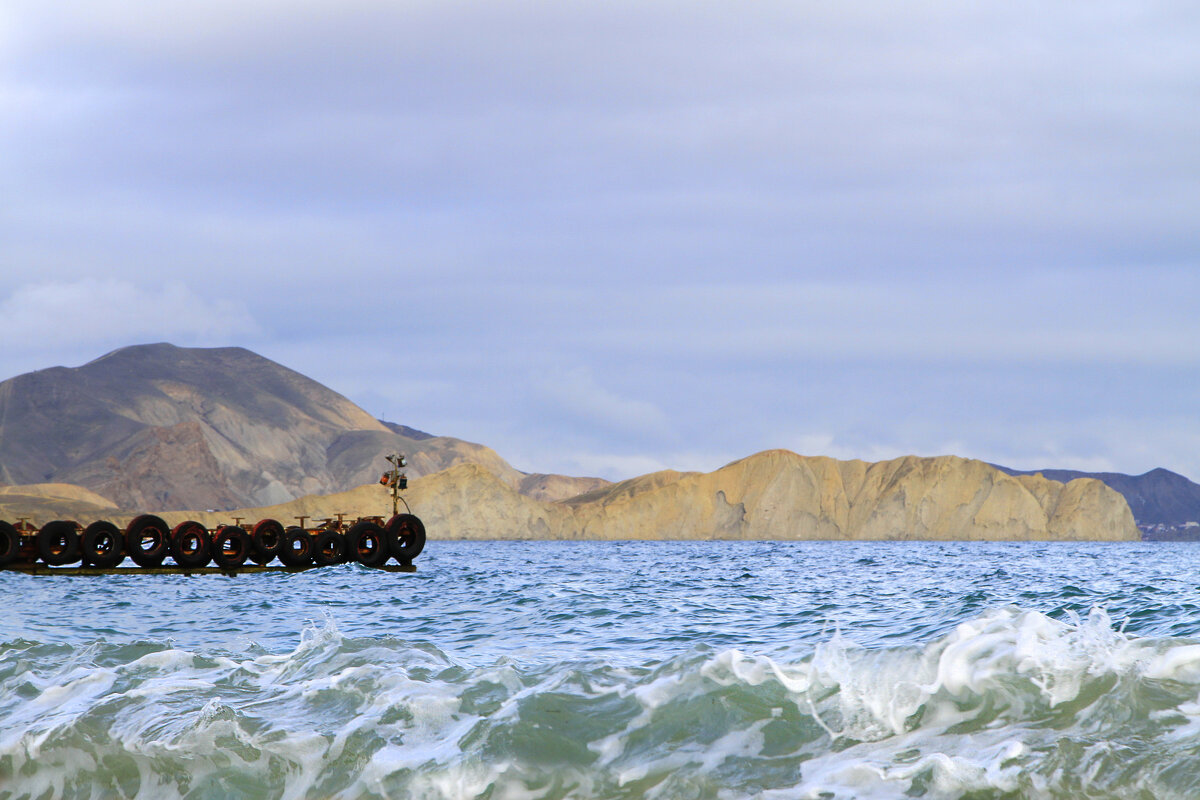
(1158, 497)
(776, 494)
(156, 427)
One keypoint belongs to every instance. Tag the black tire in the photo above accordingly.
(368, 544)
(10, 544)
(147, 540)
(267, 538)
(102, 545)
(406, 537)
(297, 549)
(257, 558)
(230, 547)
(191, 545)
(329, 548)
(58, 542)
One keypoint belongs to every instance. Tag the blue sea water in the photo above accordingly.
(520, 670)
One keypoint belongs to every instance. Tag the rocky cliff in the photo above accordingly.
(772, 495)
(1157, 497)
(781, 495)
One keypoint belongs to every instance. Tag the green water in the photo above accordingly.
(617, 670)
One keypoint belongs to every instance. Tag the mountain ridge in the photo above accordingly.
(773, 495)
(1157, 497)
(158, 426)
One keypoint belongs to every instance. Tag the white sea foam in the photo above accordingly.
(1010, 701)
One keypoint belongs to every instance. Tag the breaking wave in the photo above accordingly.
(1010, 703)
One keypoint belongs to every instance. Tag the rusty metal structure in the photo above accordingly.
(66, 546)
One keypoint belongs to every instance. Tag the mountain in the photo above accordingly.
(159, 427)
(772, 495)
(156, 427)
(1158, 497)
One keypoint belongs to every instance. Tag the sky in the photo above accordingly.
(606, 238)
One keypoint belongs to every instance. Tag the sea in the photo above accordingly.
(672, 670)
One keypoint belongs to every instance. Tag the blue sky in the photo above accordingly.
(607, 238)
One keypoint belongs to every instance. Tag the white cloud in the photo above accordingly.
(827, 444)
(1133, 444)
(615, 466)
(577, 392)
(96, 313)
(1075, 316)
(610, 466)
(727, 222)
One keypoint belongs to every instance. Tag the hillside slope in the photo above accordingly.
(157, 427)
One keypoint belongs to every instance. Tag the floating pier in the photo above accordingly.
(65, 547)
(249, 569)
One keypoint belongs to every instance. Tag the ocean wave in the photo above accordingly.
(1011, 703)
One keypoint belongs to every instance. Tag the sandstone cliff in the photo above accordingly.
(772, 495)
(781, 495)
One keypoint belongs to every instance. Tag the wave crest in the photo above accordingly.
(1011, 701)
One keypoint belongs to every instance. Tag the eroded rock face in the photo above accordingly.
(781, 495)
(771, 495)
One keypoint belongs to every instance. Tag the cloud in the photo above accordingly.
(626, 229)
(92, 313)
(611, 465)
(1095, 441)
(1066, 316)
(576, 392)
(852, 447)
(615, 466)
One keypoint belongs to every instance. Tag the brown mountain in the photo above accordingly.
(157, 427)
